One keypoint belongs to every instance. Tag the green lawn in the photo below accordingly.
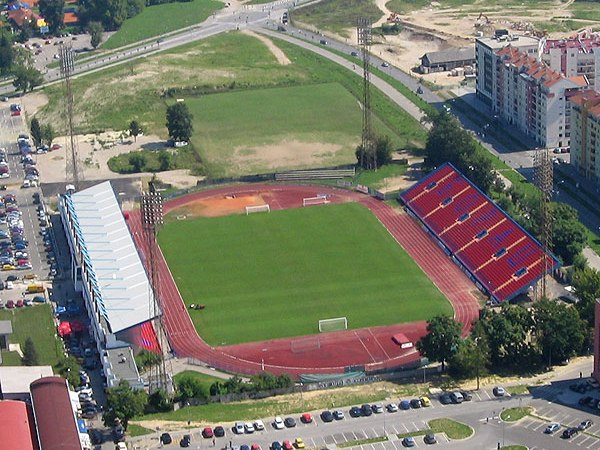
(515, 414)
(288, 269)
(35, 322)
(233, 127)
(205, 380)
(159, 19)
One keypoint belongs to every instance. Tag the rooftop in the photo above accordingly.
(515, 41)
(451, 54)
(115, 271)
(6, 327)
(590, 98)
(16, 380)
(16, 425)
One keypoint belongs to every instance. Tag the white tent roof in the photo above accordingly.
(120, 279)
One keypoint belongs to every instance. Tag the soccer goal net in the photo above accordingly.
(337, 324)
(318, 200)
(258, 208)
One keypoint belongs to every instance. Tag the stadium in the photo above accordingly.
(227, 301)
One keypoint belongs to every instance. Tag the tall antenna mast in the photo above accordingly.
(66, 70)
(543, 179)
(365, 39)
(152, 220)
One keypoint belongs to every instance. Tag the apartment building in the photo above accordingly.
(585, 137)
(534, 98)
(579, 55)
(487, 61)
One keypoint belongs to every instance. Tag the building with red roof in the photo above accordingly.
(21, 15)
(54, 415)
(17, 426)
(534, 97)
(577, 55)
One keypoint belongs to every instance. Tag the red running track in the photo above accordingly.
(326, 353)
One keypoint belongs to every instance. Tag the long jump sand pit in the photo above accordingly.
(220, 205)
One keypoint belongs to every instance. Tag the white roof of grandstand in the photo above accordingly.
(120, 276)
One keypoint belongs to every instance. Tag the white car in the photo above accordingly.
(552, 428)
(259, 425)
(249, 428)
(278, 423)
(392, 407)
(238, 428)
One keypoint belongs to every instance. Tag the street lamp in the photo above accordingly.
(478, 358)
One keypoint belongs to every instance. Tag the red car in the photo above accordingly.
(20, 304)
(287, 445)
(306, 418)
(207, 432)
(10, 304)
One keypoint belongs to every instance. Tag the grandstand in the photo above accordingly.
(499, 255)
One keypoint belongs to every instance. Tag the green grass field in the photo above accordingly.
(35, 322)
(159, 19)
(274, 275)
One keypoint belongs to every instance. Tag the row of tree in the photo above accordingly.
(512, 339)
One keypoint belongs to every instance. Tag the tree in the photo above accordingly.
(190, 387)
(568, 234)
(95, 30)
(52, 11)
(441, 340)
(134, 129)
(124, 403)
(179, 122)
(137, 161)
(7, 52)
(165, 160)
(381, 153)
(134, 7)
(69, 369)
(30, 355)
(559, 330)
(448, 141)
(159, 401)
(48, 134)
(587, 288)
(472, 358)
(145, 359)
(26, 78)
(36, 132)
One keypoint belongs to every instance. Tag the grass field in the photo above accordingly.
(35, 322)
(237, 126)
(288, 269)
(159, 19)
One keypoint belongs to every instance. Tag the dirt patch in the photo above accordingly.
(217, 206)
(33, 102)
(277, 52)
(284, 154)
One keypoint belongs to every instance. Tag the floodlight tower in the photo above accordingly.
(543, 179)
(71, 152)
(365, 39)
(152, 220)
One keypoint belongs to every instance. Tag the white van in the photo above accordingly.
(456, 397)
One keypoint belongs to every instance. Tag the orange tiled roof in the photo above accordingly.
(19, 16)
(70, 18)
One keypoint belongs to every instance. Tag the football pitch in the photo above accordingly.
(273, 275)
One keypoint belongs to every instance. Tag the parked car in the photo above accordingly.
(10, 304)
(377, 409)
(207, 433)
(275, 445)
(570, 432)
(415, 403)
(238, 428)
(355, 411)
(287, 445)
(166, 438)
(456, 397)
(585, 424)
(405, 404)
(249, 427)
(425, 402)
(298, 443)
(306, 418)
(259, 425)
(338, 414)
(467, 396)
(219, 431)
(445, 399)
(289, 422)
(278, 423)
(366, 410)
(554, 426)
(392, 407)
(327, 416)
(409, 441)
(429, 438)
(499, 391)
(185, 441)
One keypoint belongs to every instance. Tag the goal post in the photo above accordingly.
(336, 324)
(320, 199)
(258, 208)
